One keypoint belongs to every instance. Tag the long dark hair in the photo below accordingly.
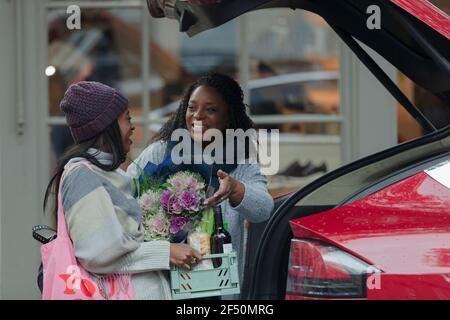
(109, 139)
(231, 93)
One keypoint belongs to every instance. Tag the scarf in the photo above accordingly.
(208, 171)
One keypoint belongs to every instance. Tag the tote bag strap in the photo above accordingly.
(62, 226)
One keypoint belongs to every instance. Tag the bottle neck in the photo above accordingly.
(218, 218)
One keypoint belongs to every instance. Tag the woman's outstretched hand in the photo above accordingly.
(183, 256)
(229, 188)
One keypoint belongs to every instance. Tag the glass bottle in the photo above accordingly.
(221, 238)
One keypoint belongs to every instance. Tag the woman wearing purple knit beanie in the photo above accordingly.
(102, 217)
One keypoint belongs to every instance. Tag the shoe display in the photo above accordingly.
(290, 169)
(295, 169)
(312, 169)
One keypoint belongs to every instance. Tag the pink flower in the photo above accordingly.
(147, 201)
(178, 185)
(184, 181)
(192, 184)
(158, 225)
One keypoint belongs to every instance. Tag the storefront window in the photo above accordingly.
(294, 63)
(106, 49)
(177, 60)
(109, 48)
(294, 72)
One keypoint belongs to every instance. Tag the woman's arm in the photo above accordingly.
(246, 192)
(257, 204)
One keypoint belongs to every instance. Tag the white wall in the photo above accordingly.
(370, 110)
(21, 168)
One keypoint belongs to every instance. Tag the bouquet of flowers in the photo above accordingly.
(174, 206)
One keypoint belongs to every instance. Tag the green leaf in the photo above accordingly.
(207, 222)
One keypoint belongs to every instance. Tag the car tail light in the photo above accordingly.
(319, 270)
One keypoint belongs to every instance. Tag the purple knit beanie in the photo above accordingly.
(90, 107)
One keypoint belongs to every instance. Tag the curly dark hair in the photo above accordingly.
(231, 93)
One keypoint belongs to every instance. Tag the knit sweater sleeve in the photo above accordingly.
(100, 243)
(257, 203)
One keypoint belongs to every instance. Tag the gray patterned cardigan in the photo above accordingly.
(104, 223)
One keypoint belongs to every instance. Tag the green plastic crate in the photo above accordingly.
(224, 280)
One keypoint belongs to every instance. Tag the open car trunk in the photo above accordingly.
(414, 35)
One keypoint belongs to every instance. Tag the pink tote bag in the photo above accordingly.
(66, 279)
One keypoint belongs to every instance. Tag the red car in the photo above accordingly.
(378, 228)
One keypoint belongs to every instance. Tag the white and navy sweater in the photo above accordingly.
(255, 207)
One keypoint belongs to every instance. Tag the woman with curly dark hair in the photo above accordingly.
(215, 101)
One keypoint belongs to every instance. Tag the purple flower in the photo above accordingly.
(165, 199)
(177, 223)
(170, 202)
(175, 206)
(190, 201)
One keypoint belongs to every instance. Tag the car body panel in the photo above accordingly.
(411, 287)
(402, 229)
(402, 287)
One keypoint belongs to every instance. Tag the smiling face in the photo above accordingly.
(206, 110)
(126, 130)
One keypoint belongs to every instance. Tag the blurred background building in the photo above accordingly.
(297, 77)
